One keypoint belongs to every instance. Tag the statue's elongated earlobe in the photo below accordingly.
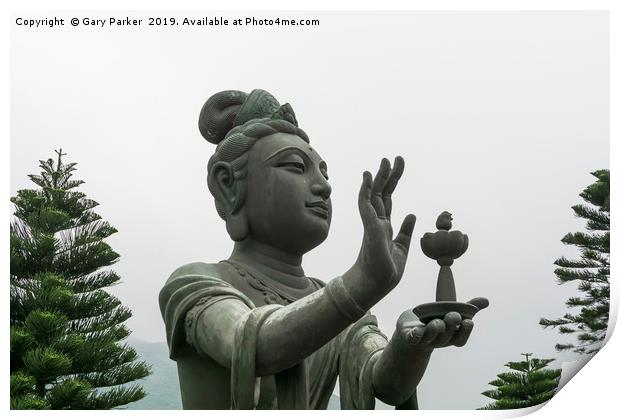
(237, 226)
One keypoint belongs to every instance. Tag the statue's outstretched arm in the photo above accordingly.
(288, 335)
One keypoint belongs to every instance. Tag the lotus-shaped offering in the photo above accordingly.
(444, 246)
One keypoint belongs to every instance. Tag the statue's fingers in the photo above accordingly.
(403, 239)
(390, 185)
(377, 204)
(479, 302)
(378, 184)
(462, 335)
(452, 321)
(387, 206)
(382, 176)
(394, 177)
(415, 335)
(366, 209)
(433, 329)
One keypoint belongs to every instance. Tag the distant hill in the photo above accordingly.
(162, 386)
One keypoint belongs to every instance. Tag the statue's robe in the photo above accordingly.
(206, 384)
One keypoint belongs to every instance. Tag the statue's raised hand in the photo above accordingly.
(382, 257)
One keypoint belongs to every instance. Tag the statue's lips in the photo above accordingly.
(320, 208)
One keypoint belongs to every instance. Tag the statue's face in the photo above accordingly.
(287, 201)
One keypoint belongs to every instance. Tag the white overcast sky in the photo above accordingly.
(499, 116)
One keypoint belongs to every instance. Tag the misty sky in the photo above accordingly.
(500, 118)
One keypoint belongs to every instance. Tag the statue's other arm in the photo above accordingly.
(402, 363)
(398, 372)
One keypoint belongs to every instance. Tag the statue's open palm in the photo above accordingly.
(382, 258)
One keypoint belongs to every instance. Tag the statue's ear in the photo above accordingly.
(223, 186)
(229, 192)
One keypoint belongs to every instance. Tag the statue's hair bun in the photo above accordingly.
(217, 116)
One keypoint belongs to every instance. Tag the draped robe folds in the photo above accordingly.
(206, 384)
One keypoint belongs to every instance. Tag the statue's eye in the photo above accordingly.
(323, 169)
(294, 166)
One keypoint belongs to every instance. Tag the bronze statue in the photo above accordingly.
(254, 331)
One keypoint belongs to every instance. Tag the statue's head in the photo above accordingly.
(268, 183)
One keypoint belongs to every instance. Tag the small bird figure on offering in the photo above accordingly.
(444, 221)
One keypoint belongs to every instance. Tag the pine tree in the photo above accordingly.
(591, 270)
(66, 332)
(528, 385)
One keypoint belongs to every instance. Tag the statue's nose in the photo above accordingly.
(322, 189)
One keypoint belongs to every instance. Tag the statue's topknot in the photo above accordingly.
(232, 108)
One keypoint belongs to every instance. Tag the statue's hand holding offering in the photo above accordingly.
(382, 258)
(452, 330)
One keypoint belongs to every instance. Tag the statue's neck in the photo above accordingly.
(267, 258)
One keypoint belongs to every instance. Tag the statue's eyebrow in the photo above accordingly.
(286, 149)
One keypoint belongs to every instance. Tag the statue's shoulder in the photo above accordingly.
(214, 271)
(318, 284)
(198, 276)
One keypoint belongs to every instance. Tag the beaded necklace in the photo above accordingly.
(270, 291)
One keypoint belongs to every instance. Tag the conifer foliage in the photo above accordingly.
(66, 332)
(529, 383)
(590, 270)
